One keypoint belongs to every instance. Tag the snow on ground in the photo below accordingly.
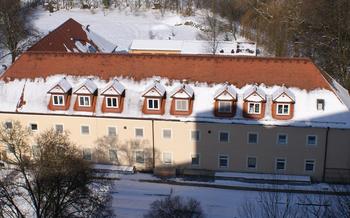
(121, 26)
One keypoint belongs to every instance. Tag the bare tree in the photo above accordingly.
(49, 179)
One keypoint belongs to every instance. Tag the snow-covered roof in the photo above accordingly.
(87, 87)
(305, 110)
(226, 92)
(283, 94)
(63, 86)
(249, 94)
(154, 90)
(182, 91)
(195, 47)
(114, 87)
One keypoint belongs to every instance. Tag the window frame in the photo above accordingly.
(37, 127)
(171, 133)
(136, 152)
(199, 135)
(257, 138)
(153, 100)
(58, 96)
(283, 105)
(116, 131)
(171, 158)
(110, 156)
(199, 159)
(322, 102)
(84, 154)
(228, 136)
(277, 161)
(254, 103)
(8, 124)
(313, 168)
(219, 163)
(277, 139)
(112, 97)
(84, 97)
(307, 140)
(143, 132)
(81, 129)
(220, 107)
(256, 163)
(182, 100)
(58, 124)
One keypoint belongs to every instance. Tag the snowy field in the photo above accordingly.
(122, 26)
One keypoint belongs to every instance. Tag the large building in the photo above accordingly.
(201, 112)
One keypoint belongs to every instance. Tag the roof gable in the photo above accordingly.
(182, 91)
(88, 87)
(63, 86)
(154, 90)
(254, 93)
(226, 92)
(283, 94)
(114, 87)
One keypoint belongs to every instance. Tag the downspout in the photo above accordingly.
(325, 156)
(153, 149)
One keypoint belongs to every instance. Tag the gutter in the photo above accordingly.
(325, 156)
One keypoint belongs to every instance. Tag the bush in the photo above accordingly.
(176, 207)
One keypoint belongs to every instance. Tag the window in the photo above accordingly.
(167, 158)
(311, 140)
(282, 109)
(87, 155)
(280, 164)
(309, 165)
(84, 101)
(140, 157)
(254, 108)
(253, 138)
(85, 130)
(35, 150)
(113, 155)
(223, 161)
(58, 100)
(59, 128)
(195, 160)
(224, 136)
(8, 125)
(225, 106)
(138, 132)
(153, 104)
(282, 139)
(195, 135)
(112, 102)
(181, 105)
(166, 133)
(112, 131)
(33, 126)
(320, 104)
(251, 162)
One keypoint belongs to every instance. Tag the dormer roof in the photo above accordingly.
(254, 93)
(154, 90)
(63, 86)
(182, 91)
(283, 94)
(88, 87)
(114, 87)
(226, 92)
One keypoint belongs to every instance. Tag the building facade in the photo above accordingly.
(251, 115)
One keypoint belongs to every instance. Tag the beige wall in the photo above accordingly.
(181, 146)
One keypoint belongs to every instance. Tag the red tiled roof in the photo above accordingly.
(239, 71)
(63, 37)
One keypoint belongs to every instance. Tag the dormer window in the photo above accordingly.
(86, 96)
(225, 101)
(182, 100)
(254, 103)
(113, 100)
(60, 95)
(154, 99)
(283, 104)
(320, 104)
(153, 104)
(84, 101)
(58, 100)
(254, 108)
